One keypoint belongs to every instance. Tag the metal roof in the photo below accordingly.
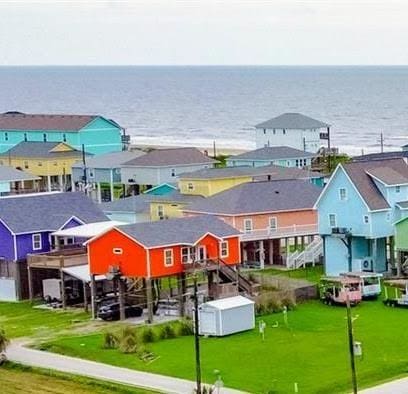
(292, 120)
(170, 157)
(184, 231)
(10, 174)
(260, 197)
(228, 303)
(27, 213)
(88, 230)
(81, 272)
(272, 153)
(110, 160)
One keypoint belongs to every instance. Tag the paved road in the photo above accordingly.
(399, 386)
(16, 352)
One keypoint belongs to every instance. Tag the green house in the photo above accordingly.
(401, 235)
(97, 134)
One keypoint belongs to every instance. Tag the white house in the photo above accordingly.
(294, 130)
(164, 166)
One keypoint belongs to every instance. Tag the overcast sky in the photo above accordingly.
(204, 32)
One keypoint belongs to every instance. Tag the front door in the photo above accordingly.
(201, 255)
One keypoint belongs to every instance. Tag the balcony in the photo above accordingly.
(58, 259)
(280, 232)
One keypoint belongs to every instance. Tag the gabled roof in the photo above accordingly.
(38, 149)
(272, 153)
(170, 157)
(402, 205)
(292, 120)
(110, 160)
(381, 156)
(176, 196)
(172, 186)
(260, 197)
(273, 171)
(10, 174)
(358, 172)
(136, 204)
(388, 176)
(184, 231)
(47, 211)
(19, 121)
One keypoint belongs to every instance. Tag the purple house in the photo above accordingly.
(26, 224)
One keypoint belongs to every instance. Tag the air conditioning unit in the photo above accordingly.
(340, 230)
(364, 264)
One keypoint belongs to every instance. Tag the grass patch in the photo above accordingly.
(312, 352)
(16, 379)
(312, 274)
(20, 319)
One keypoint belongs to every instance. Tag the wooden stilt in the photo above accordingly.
(62, 277)
(30, 284)
(149, 300)
(93, 297)
(85, 290)
(121, 285)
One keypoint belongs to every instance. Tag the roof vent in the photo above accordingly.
(276, 191)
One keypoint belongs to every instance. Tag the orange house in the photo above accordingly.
(163, 248)
(277, 219)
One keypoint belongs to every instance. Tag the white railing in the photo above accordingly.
(280, 232)
(310, 254)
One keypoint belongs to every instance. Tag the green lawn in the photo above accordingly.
(313, 352)
(21, 319)
(16, 379)
(312, 274)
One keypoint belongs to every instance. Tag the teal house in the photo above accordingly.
(356, 215)
(161, 190)
(283, 156)
(97, 134)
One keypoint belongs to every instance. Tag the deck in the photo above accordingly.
(280, 232)
(58, 259)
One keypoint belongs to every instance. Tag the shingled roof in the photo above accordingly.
(19, 121)
(260, 197)
(272, 153)
(359, 173)
(184, 231)
(10, 174)
(170, 157)
(292, 120)
(47, 211)
(39, 149)
(110, 160)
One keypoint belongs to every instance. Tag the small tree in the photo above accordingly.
(3, 345)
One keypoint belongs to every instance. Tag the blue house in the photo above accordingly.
(96, 133)
(26, 224)
(356, 213)
(284, 156)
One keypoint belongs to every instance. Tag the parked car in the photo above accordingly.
(336, 289)
(370, 283)
(112, 311)
(396, 293)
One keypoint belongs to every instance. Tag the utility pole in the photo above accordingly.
(382, 142)
(84, 164)
(215, 151)
(351, 345)
(197, 337)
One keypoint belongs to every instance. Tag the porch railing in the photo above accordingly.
(279, 232)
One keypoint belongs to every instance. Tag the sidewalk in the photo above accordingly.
(399, 386)
(16, 352)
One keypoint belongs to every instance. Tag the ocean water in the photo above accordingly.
(197, 105)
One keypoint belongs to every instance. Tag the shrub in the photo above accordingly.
(273, 305)
(3, 341)
(128, 341)
(110, 340)
(184, 328)
(167, 332)
(289, 301)
(147, 335)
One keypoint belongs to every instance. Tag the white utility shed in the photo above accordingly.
(226, 316)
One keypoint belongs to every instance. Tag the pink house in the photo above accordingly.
(276, 218)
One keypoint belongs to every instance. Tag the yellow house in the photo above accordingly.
(208, 182)
(170, 205)
(52, 161)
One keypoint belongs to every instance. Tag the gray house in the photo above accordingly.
(284, 156)
(100, 176)
(164, 165)
(16, 181)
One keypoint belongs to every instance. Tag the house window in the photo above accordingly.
(173, 172)
(388, 217)
(224, 249)
(366, 219)
(284, 131)
(190, 186)
(273, 224)
(168, 257)
(297, 163)
(39, 164)
(247, 225)
(274, 131)
(45, 137)
(37, 242)
(25, 137)
(187, 255)
(26, 164)
(397, 189)
(343, 194)
(6, 136)
(264, 131)
(91, 173)
(160, 211)
(117, 251)
(64, 137)
(332, 220)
